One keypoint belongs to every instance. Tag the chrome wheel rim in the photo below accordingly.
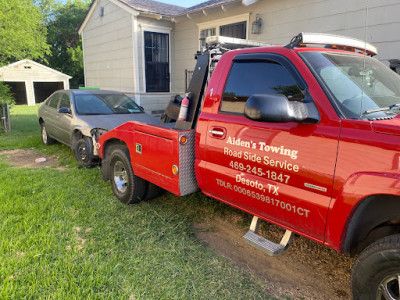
(82, 153)
(44, 134)
(120, 177)
(389, 288)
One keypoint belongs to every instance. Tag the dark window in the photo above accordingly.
(53, 101)
(105, 104)
(248, 78)
(65, 101)
(156, 50)
(236, 30)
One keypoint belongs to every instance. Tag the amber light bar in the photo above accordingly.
(332, 40)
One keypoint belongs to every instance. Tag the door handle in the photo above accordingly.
(218, 132)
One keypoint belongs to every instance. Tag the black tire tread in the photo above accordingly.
(50, 140)
(89, 150)
(361, 270)
(138, 186)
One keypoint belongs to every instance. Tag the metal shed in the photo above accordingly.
(31, 82)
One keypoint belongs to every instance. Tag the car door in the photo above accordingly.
(64, 119)
(282, 172)
(50, 115)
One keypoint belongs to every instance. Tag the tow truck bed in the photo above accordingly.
(157, 151)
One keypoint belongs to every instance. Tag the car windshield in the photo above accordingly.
(362, 87)
(105, 104)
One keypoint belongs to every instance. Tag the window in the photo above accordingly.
(235, 26)
(206, 33)
(156, 51)
(105, 104)
(360, 86)
(91, 105)
(53, 101)
(248, 78)
(65, 101)
(236, 30)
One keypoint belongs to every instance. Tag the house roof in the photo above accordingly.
(149, 6)
(209, 4)
(161, 9)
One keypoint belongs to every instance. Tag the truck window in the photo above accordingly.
(248, 78)
(360, 86)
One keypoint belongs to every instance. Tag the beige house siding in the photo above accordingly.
(284, 19)
(113, 43)
(108, 49)
(114, 53)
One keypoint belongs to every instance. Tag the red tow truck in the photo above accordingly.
(305, 136)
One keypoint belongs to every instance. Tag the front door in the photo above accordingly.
(64, 129)
(282, 172)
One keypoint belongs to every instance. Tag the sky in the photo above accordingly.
(184, 3)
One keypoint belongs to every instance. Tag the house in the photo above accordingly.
(146, 48)
(31, 82)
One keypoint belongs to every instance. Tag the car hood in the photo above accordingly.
(109, 122)
(391, 126)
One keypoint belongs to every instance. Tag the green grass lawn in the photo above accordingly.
(63, 235)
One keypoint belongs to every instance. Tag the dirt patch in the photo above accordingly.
(307, 270)
(19, 158)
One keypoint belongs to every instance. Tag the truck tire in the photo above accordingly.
(376, 272)
(127, 187)
(46, 140)
(84, 150)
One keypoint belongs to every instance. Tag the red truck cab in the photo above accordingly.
(306, 138)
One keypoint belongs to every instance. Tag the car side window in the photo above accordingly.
(53, 101)
(65, 101)
(247, 78)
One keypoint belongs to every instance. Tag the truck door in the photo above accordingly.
(282, 172)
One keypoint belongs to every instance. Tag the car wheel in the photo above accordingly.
(376, 272)
(127, 187)
(46, 140)
(84, 150)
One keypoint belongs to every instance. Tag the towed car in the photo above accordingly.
(77, 118)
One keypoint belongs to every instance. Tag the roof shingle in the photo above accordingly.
(155, 7)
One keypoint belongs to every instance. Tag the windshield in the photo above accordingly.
(105, 104)
(362, 87)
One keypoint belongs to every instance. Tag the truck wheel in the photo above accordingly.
(376, 272)
(84, 150)
(152, 191)
(127, 187)
(46, 140)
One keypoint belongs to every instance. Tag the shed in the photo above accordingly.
(31, 82)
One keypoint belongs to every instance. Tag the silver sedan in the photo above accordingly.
(78, 117)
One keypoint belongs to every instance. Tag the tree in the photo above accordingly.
(65, 43)
(5, 93)
(22, 31)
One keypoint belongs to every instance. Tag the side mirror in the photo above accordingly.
(275, 109)
(64, 110)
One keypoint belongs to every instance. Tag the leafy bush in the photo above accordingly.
(5, 94)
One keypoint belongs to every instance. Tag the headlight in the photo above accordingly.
(97, 132)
